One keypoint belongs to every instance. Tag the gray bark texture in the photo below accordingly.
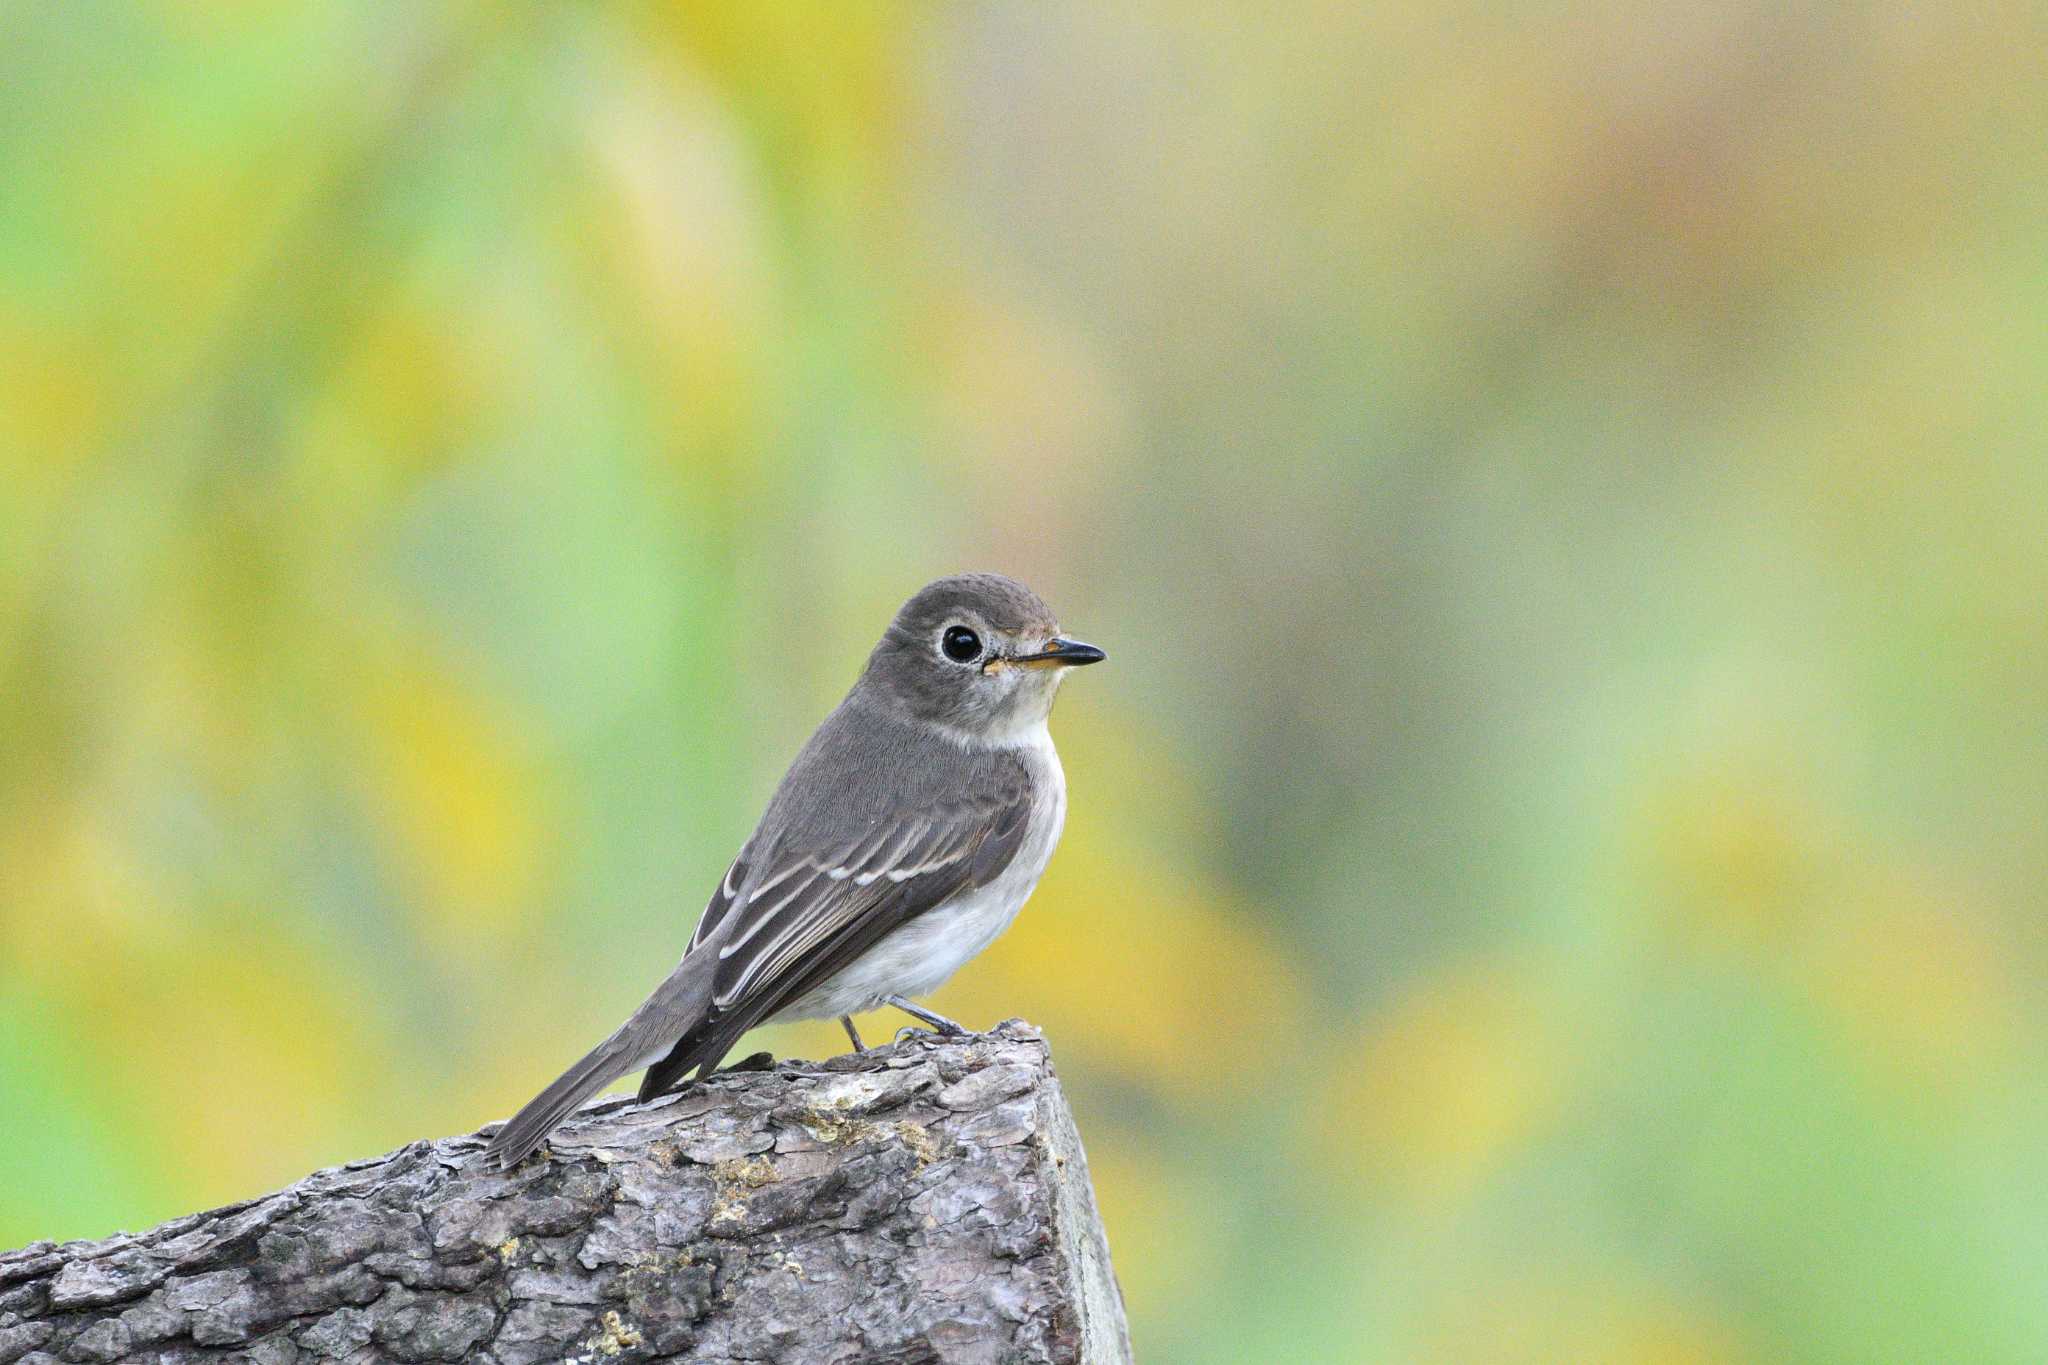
(924, 1202)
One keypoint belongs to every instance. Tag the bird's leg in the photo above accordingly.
(939, 1023)
(846, 1022)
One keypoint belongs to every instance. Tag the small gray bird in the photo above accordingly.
(906, 836)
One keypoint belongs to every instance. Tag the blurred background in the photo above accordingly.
(1556, 861)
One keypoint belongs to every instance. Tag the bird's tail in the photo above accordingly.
(676, 1006)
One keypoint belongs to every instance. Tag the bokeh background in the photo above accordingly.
(1557, 852)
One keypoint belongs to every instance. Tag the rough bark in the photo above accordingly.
(926, 1202)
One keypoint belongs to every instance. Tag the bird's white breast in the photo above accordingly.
(918, 958)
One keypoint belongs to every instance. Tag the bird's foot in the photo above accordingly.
(920, 1031)
(936, 1024)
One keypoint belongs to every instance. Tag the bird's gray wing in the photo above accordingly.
(815, 904)
(724, 898)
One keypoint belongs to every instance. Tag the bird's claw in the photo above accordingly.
(917, 1031)
(937, 1024)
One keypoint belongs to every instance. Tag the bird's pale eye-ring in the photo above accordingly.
(960, 644)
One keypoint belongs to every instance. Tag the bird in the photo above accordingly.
(905, 837)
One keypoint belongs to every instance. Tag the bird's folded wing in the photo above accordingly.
(803, 903)
(812, 911)
(724, 898)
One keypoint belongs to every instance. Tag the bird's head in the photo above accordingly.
(977, 654)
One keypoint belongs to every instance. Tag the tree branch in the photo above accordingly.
(926, 1202)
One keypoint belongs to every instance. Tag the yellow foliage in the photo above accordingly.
(1588, 1320)
(53, 407)
(70, 888)
(1134, 965)
(676, 232)
(1731, 857)
(459, 802)
(1925, 996)
(1448, 1082)
(408, 393)
(236, 1051)
(1160, 1220)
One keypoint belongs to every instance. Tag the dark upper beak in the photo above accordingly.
(1061, 653)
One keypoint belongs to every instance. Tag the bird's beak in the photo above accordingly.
(1061, 653)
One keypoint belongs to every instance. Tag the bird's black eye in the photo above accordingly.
(962, 645)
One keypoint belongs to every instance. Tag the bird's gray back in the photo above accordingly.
(896, 766)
